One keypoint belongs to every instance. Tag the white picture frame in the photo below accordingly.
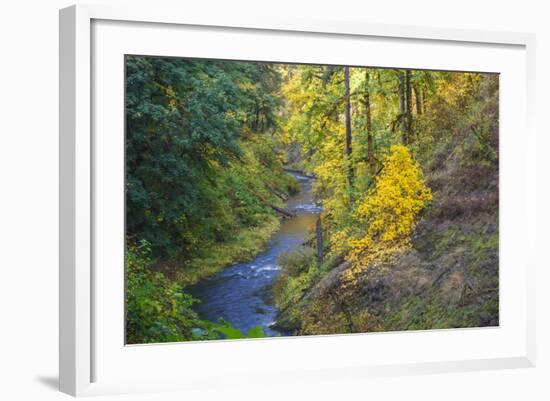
(88, 343)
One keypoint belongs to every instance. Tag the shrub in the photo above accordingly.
(158, 310)
(299, 272)
(388, 213)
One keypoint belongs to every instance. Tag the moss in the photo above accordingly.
(480, 246)
(477, 303)
(436, 243)
(474, 239)
(430, 312)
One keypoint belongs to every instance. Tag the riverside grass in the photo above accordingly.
(245, 245)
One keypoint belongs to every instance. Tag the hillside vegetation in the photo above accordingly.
(417, 248)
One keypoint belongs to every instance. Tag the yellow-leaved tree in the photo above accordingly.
(388, 213)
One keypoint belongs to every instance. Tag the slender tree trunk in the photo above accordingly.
(409, 106)
(348, 124)
(402, 106)
(370, 142)
(423, 100)
(418, 97)
(319, 232)
(255, 126)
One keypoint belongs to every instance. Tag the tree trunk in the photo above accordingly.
(256, 124)
(402, 106)
(348, 124)
(418, 97)
(409, 106)
(370, 142)
(423, 100)
(319, 231)
(284, 212)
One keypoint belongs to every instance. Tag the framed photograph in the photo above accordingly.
(273, 200)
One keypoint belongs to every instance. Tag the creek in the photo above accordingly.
(242, 293)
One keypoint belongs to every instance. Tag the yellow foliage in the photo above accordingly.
(368, 253)
(379, 221)
(456, 89)
(400, 193)
(315, 123)
(389, 212)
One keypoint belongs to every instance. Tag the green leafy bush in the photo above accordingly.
(231, 333)
(299, 271)
(158, 310)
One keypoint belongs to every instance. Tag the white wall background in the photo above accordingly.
(29, 199)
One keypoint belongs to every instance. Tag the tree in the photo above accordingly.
(319, 238)
(370, 140)
(409, 115)
(402, 103)
(190, 124)
(419, 99)
(348, 125)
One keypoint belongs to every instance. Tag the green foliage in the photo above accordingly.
(194, 150)
(295, 263)
(203, 176)
(157, 310)
(296, 286)
(231, 333)
(299, 271)
(244, 246)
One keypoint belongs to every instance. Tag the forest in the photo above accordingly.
(268, 199)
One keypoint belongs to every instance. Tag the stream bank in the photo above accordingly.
(241, 293)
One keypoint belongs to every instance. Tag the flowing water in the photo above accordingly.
(241, 293)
